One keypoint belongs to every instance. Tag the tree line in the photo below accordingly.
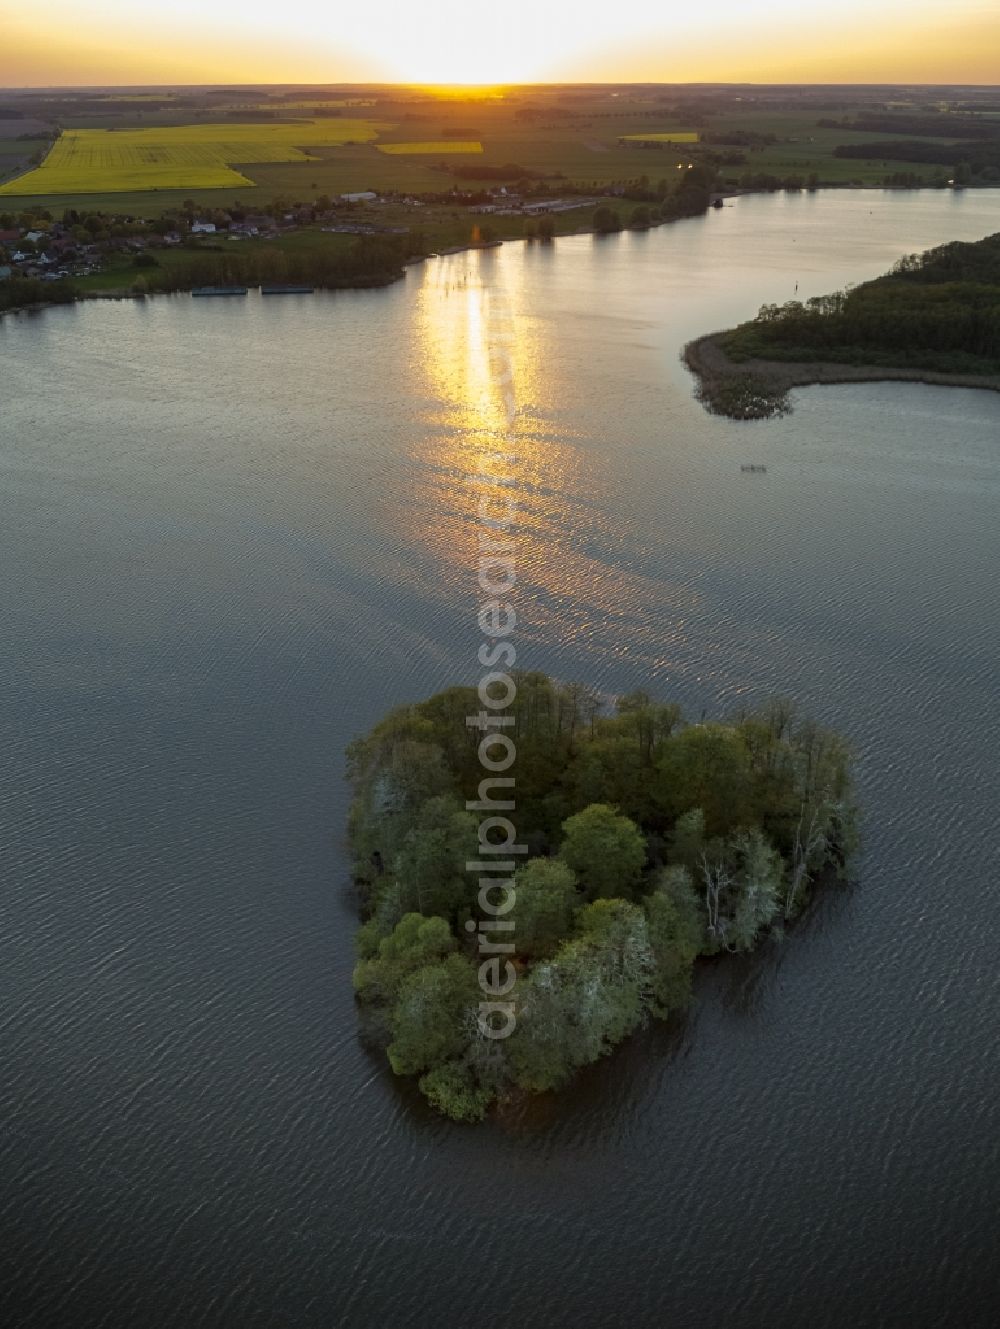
(371, 260)
(941, 124)
(939, 310)
(982, 158)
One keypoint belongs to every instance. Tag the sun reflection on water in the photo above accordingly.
(578, 583)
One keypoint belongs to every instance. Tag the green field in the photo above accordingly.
(802, 148)
(15, 154)
(201, 146)
(103, 161)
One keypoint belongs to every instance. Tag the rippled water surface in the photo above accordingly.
(233, 534)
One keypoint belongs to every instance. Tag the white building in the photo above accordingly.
(202, 228)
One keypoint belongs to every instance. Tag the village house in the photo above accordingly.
(202, 228)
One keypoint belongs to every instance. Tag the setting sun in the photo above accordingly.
(452, 42)
(462, 45)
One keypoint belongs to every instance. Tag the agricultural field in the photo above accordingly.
(102, 161)
(674, 136)
(279, 104)
(16, 155)
(431, 149)
(145, 150)
(802, 147)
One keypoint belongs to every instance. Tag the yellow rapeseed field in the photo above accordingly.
(438, 149)
(674, 136)
(102, 161)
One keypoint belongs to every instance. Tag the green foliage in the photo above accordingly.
(938, 311)
(676, 932)
(430, 1016)
(414, 942)
(741, 880)
(650, 841)
(452, 1088)
(429, 868)
(546, 900)
(707, 766)
(687, 844)
(584, 1000)
(606, 220)
(22, 292)
(605, 850)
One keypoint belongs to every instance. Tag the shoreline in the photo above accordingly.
(123, 293)
(362, 283)
(757, 389)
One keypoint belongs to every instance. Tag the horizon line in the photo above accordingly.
(531, 83)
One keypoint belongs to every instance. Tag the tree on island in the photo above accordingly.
(649, 842)
(605, 850)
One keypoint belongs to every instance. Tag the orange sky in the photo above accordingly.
(106, 41)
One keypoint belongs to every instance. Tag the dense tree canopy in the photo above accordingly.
(939, 311)
(643, 842)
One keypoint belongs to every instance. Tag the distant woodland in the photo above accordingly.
(937, 311)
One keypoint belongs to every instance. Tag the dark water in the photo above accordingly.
(233, 534)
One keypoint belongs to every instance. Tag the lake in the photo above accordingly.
(232, 535)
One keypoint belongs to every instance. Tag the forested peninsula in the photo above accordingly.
(643, 843)
(935, 318)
